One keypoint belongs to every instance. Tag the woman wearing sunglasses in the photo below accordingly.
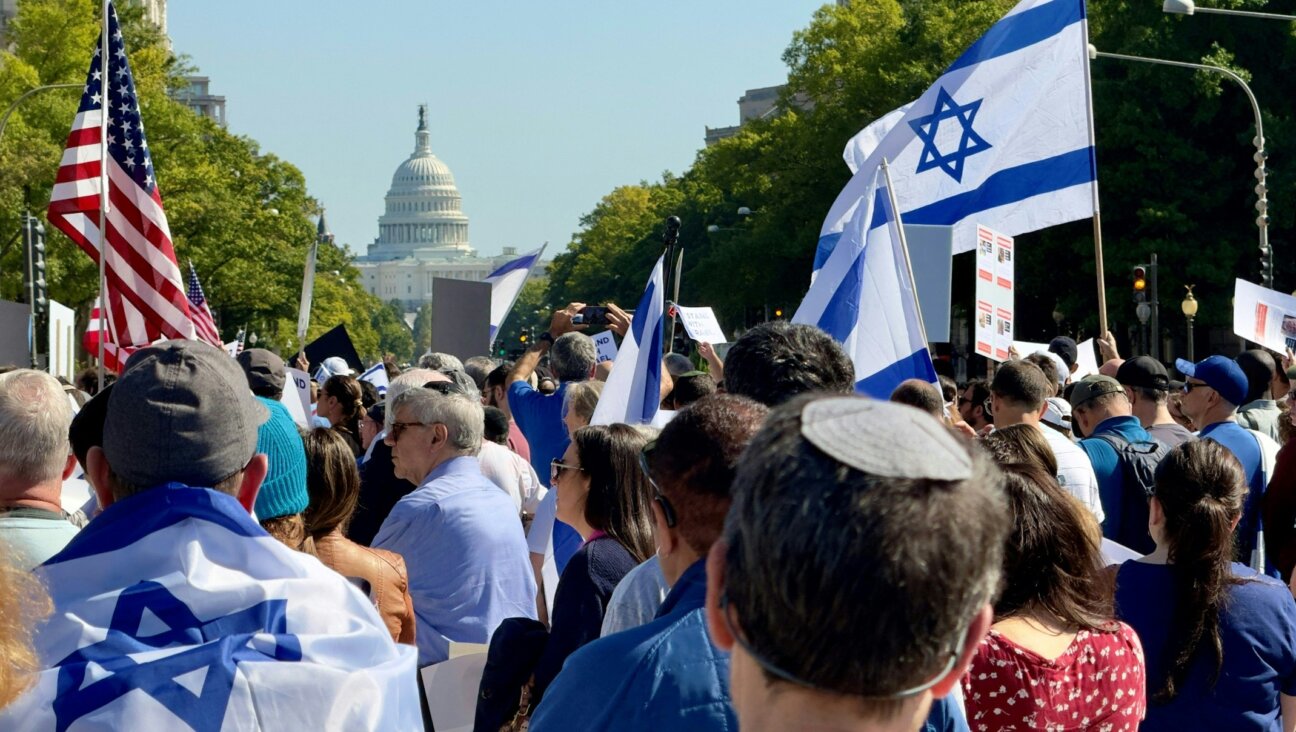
(604, 495)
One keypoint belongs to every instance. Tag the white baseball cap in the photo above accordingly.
(337, 366)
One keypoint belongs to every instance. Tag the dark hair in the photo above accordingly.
(694, 460)
(88, 380)
(691, 387)
(1259, 368)
(368, 394)
(496, 426)
(1201, 489)
(949, 389)
(812, 541)
(619, 493)
(378, 412)
(1048, 367)
(778, 360)
(1022, 384)
(346, 389)
(980, 392)
(1021, 443)
(332, 480)
(498, 376)
(920, 394)
(1052, 561)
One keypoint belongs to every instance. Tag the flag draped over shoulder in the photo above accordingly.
(204, 323)
(174, 610)
(864, 297)
(506, 283)
(1003, 138)
(145, 294)
(633, 391)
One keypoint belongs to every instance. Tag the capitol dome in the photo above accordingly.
(423, 218)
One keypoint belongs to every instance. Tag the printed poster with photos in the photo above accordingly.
(994, 332)
(1265, 316)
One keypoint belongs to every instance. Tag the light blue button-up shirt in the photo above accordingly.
(466, 556)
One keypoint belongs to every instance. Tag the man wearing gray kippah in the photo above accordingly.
(854, 577)
(173, 609)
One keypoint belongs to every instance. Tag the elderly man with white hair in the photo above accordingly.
(468, 564)
(35, 459)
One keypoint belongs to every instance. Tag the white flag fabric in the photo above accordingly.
(377, 375)
(174, 610)
(506, 283)
(864, 297)
(632, 394)
(1001, 139)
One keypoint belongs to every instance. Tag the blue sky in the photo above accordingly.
(539, 108)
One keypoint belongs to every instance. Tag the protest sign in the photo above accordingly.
(605, 345)
(1265, 316)
(296, 395)
(701, 324)
(62, 341)
(460, 317)
(1086, 361)
(336, 342)
(451, 687)
(931, 251)
(994, 294)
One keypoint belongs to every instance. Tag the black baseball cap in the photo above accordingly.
(1066, 348)
(1144, 372)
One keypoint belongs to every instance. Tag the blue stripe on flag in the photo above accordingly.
(917, 365)
(827, 243)
(128, 520)
(842, 312)
(638, 327)
(1007, 186)
(519, 263)
(1021, 30)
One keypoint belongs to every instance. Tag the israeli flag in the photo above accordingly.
(377, 375)
(864, 297)
(506, 284)
(174, 610)
(1004, 138)
(633, 390)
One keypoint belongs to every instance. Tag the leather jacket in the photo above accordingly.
(384, 571)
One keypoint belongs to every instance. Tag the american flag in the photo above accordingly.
(203, 321)
(114, 359)
(144, 289)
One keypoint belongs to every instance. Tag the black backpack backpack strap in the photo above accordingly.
(1138, 460)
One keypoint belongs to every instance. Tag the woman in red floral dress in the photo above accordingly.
(1054, 659)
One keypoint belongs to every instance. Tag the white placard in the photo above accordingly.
(232, 348)
(62, 341)
(994, 327)
(452, 686)
(1026, 348)
(1086, 360)
(1265, 316)
(701, 324)
(296, 395)
(605, 345)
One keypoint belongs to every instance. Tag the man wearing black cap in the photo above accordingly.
(1123, 455)
(1147, 386)
(1067, 350)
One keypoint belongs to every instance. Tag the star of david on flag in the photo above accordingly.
(1003, 138)
(928, 126)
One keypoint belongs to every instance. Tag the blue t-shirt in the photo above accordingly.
(1125, 516)
(540, 417)
(1246, 448)
(1258, 634)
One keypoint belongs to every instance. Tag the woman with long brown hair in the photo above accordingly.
(333, 482)
(341, 402)
(1054, 658)
(1220, 639)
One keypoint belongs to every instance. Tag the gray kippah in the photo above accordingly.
(885, 439)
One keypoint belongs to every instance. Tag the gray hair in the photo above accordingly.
(407, 380)
(34, 419)
(572, 356)
(438, 361)
(811, 540)
(479, 367)
(582, 397)
(465, 420)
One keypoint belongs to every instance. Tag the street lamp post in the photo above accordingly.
(1188, 7)
(4, 121)
(1261, 189)
(1189, 308)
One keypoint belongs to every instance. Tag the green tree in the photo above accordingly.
(423, 329)
(394, 336)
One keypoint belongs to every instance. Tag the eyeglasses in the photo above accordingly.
(558, 467)
(668, 511)
(963, 400)
(1189, 386)
(398, 427)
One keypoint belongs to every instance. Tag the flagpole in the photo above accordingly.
(104, 306)
(518, 294)
(1097, 216)
(904, 247)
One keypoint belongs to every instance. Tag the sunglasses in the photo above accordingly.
(668, 511)
(398, 427)
(444, 388)
(557, 467)
(1189, 386)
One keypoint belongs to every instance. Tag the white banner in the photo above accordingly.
(701, 324)
(1265, 316)
(307, 293)
(62, 341)
(296, 395)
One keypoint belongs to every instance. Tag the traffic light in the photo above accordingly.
(523, 337)
(778, 312)
(34, 272)
(1140, 283)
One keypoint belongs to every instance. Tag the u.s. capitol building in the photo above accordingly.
(423, 233)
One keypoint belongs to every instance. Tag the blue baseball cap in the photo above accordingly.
(1221, 374)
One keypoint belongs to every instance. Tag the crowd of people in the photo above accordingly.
(1026, 551)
